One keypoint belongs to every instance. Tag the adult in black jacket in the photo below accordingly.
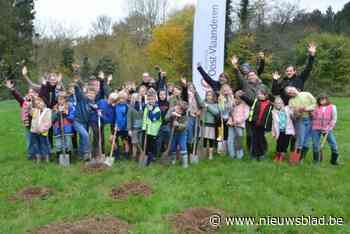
(223, 78)
(292, 78)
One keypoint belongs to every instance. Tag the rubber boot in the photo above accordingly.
(173, 159)
(211, 151)
(303, 154)
(127, 155)
(281, 159)
(184, 160)
(150, 158)
(37, 158)
(240, 154)
(277, 157)
(116, 154)
(316, 157)
(46, 158)
(334, 159)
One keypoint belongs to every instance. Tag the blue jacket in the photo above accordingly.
(121, 116)
(83, 106)
(67, 122)
(108, 111)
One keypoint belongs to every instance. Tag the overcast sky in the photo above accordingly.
(80, 13)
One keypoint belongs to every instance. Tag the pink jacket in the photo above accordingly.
(239, 115)
(324, 118)
(276, 125)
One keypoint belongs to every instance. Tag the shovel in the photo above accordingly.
(324, 140)
(110, 160)
(220, 138)
(165, 158)
(194, 157)
(100, 157)
(143, 156)
(64, 159)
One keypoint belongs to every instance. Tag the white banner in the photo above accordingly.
(208, 40)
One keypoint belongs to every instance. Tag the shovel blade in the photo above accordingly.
(64, 160)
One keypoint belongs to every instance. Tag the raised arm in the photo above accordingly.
(242, 81)
(28, 80)
(212, 83)
(310, 62)
(276, 89)
(199, 100)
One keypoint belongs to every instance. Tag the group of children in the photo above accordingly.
(160, 119)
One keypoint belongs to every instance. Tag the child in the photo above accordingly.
(226, 100)
(178, 119)
(84, 108)
(151, 125)
(211, 112)
(40, 125)
(26, 104)
(164, 132)
(236, 124)
(66, 111)
(121, 119)
(192, 124)
(107, 109)
(135, 114)
(260, 117)
(324, 119)
(282, 128)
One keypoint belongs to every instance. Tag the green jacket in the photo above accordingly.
(135, 118)
(151, 121)
(211, 113)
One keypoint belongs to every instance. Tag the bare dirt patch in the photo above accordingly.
(195, 220)
(97, 225)
(31, 193)
(131, 188)
(91, 168)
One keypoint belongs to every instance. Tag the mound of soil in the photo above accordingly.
(131, 188)
(31, 193)
(98, 225)
(94, 167)
(195, 220)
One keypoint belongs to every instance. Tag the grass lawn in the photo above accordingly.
(240, 188)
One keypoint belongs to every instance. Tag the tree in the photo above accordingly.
(343, 20)
(86, 68)
(229, 25)
(162, 49)
(102, 26)
(331, 70)
(68, 59)
(16, 33)
(244, 15)
(153, 11)
(106, 65)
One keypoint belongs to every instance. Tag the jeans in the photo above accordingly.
(84, 143)
(40, 145)
(191, 125)
(163, 138)
(234, 142)
(316, 141)
(67, 145)
(28, 135)
(179, 139)
(304, 132)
